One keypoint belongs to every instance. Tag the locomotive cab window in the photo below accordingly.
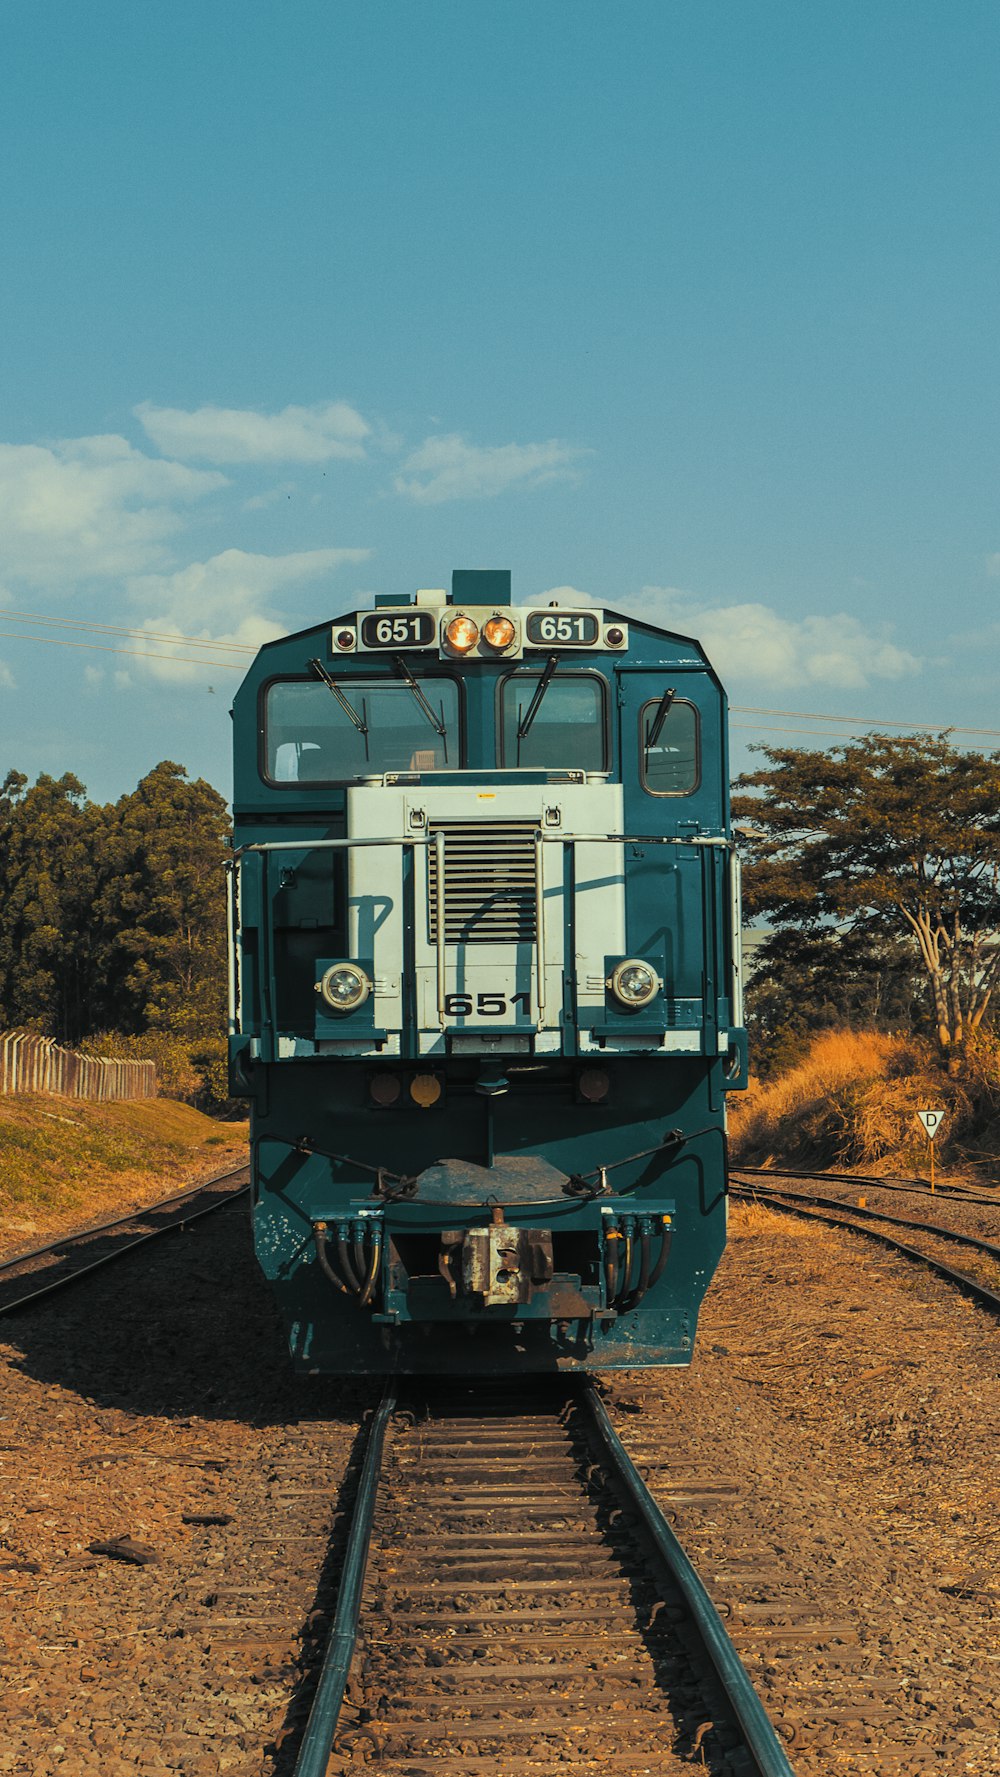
(330, 730)
(549, 719)
(669, 746)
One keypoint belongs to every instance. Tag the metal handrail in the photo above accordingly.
(561, 838)
(317, 1741)
(539, 930)
(439, 931)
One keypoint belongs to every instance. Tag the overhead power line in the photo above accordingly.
(135, 653)
(213, 649)
(114, 629)
(865, 722)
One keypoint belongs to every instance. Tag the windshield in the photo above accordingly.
(313, 736)
(568, 726)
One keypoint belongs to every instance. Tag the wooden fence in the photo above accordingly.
(37, 1064)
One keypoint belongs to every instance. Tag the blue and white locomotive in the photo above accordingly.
(485, 985)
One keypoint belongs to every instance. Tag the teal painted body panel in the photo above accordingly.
(493, 1163)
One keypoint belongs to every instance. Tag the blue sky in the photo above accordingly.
(690, 307)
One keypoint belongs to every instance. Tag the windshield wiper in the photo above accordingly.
(656, 726)
(436, 722)
(524, 726)
(331, 684)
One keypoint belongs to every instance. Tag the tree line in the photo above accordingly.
(112, 917)
(876, 866)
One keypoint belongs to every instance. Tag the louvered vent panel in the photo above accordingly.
(489, 881)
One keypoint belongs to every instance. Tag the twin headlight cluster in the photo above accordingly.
(461, 634)
(344, 987)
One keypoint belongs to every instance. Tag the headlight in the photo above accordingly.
(461, 634)
(499, 632)
(344, 987)
(634, 983)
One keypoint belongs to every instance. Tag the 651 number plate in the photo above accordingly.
(562, 629)
(484, 1005)
(398, 629)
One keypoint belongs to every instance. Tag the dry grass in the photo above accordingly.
(64, 1161)
(851, 1103)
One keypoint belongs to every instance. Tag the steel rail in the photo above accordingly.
(317, 1740)
(966, 1194)
(758, 1730)
(62, 1283)
(988, 1247)
(74, 1235)
(788, 1204)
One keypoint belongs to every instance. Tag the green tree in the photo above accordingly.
(51, 841)
(162, 908)
(880, 840)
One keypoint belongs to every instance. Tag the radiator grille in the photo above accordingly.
(489, 881)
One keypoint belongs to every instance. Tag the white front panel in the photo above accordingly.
(471, 983)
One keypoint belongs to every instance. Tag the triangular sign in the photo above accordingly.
(932, 1121)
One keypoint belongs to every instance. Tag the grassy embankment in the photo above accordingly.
(851, 1104)
(65, 1162)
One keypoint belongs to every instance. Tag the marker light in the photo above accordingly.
(594, 1084)
(344, 987)
(425, 1089)
(499, 632)
(461, 634)
(634, 983)
(385, 1089)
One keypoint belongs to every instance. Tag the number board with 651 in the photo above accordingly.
(562, 629)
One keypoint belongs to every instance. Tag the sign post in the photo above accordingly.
(932, 1121)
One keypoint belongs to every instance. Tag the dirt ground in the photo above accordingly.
(830, 1458)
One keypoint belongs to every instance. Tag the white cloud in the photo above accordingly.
(225, 600)
(242, 435)
(93, 677)
(751, 643)
(85, 507)
(448, 467)
(7, 679)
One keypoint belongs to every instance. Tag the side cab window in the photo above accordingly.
(669, 747)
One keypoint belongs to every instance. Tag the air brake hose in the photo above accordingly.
(345, 1261)
(644, 1256)
(319, 1241)
(663, 1254)
(623, 1286)
(373, 1268)
(359, 1255)
(611, 1240)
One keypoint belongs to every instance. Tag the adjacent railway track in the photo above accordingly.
(28, 1277)
(983, 1195)
(933, 1239)
(512, 1598)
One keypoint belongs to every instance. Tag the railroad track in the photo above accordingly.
(513, 1599)
(874, 1223)
(983, 1195)
(31, 1275)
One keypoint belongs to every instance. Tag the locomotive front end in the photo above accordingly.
(485, 992)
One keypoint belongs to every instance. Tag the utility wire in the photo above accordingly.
(136, 653)
(114, 629)
(863, 723)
